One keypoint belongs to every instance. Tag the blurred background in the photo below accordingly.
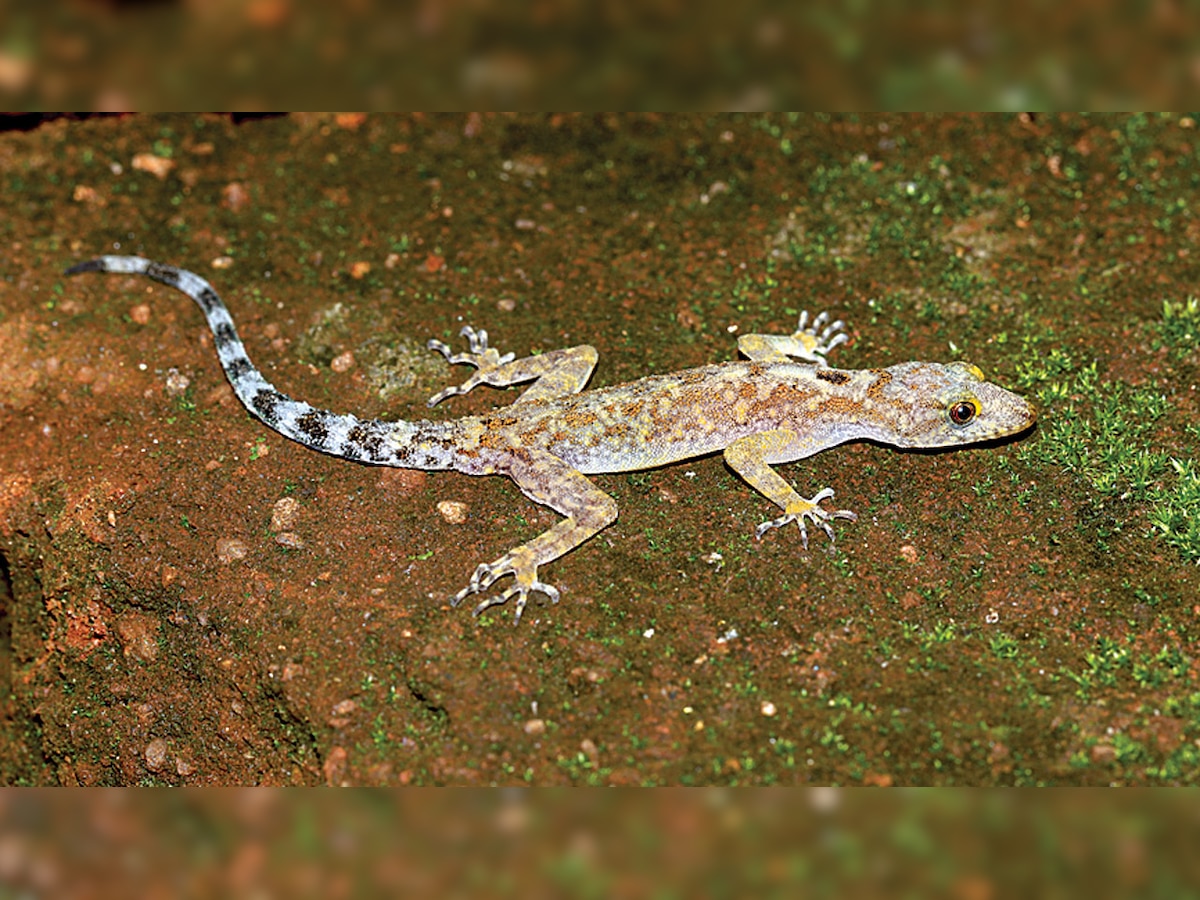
(629, 54)
(616, 843)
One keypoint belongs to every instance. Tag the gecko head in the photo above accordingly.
(953, 403)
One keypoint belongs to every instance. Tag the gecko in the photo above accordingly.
(781, 404)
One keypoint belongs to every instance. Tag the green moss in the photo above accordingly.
(1180, 327)
(1109, 436)
(319, 344)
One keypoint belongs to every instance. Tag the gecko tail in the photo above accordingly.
(373, 441)
(92, 265)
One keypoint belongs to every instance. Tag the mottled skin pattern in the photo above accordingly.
(768, 409)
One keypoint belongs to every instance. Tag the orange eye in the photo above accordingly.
(962, 413)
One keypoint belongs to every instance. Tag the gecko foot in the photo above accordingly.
(488, 573)
(800, 509)
(822, 335)
(484, 358)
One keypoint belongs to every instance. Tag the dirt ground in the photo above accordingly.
(188, 598)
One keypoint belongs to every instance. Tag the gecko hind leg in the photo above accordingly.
(823, 335)
(484, 358)
(544, 479)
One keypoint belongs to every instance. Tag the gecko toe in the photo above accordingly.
(466, 592)
(497, 600)
(823, 494)
(442, 395)
(548, 589)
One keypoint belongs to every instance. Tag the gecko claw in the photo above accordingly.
(811, 509)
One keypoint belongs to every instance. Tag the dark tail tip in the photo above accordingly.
(92, 265)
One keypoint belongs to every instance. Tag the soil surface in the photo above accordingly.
(188, 598)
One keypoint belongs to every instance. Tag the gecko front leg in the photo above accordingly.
(751, 456)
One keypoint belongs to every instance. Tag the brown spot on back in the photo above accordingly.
(882, 379)
(577, 419)
(837, 407)
(498, 432)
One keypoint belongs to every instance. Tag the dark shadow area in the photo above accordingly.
(6, 601)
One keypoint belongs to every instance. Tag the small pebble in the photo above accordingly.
(234, 196)
(156, 754)
(290, 540)
(139, 636)
(158, 166)
(86, 194)
(337, 760)
(231, 549)
(177, 383)
(284, 514)
(453, 511)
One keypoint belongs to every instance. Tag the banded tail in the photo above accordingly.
(371, 441)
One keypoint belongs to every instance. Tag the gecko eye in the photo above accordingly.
(963, 412)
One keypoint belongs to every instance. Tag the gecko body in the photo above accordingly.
(767, 409)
